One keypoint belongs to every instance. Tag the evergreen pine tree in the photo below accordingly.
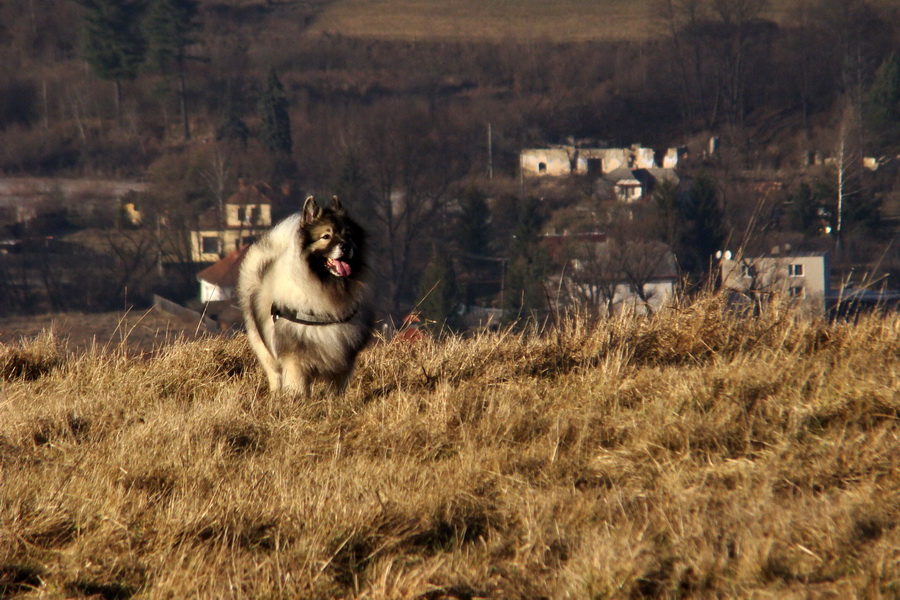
(666, 219)
(882, 106)
(170, 29)
(439, 292)
(704, 231)
(806, 211)
(111, 41)
(473, 231)
(275, 122)
(528, 264)
(231, 126)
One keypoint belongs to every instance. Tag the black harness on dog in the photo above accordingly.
(302, 318)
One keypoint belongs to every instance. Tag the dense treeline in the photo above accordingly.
(727, 66)
(215, 92)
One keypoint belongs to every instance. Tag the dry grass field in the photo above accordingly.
(562, 20)
(555, 20)
(695, 454)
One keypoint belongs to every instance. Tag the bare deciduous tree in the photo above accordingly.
(713, 47)
(604, 275)
(409, 173)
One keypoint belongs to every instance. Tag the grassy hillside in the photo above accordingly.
(694, 454)
(560, 20)
(564, 20)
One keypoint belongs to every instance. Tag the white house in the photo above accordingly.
(629, 190)
(802, 277)
(632, 185)
(219, 280)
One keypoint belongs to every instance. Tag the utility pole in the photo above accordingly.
(159, 260)
(490, 149)
(46, 105)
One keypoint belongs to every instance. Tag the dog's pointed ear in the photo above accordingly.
(311, 210)
(336, 203)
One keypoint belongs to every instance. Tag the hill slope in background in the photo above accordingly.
(697, 453)
(564, 21)
(559, 21)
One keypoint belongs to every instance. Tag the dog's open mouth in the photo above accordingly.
(337, 267)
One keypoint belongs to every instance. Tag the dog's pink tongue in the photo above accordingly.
(341, 267)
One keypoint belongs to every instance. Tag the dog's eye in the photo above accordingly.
(326, 236)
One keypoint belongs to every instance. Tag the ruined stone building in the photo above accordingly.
(563, 160)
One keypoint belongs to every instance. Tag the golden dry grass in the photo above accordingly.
(498, 20)
(562, 20)
(694, 454)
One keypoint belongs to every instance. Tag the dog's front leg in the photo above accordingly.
(274, 380)
(294, 379)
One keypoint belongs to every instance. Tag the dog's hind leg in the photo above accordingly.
(337, 382)
(269, 363)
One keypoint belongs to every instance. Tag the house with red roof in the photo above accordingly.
(218, 281)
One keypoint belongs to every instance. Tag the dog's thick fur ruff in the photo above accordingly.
(304, 299)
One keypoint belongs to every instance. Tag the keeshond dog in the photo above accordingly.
(304, 298)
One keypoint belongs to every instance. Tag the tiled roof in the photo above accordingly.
(259, 193)
(225, 272)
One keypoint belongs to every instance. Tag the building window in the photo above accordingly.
(795, 270)
(797, 291)
(542, 167)
(247, 214)
(748, 271)
(210, 244)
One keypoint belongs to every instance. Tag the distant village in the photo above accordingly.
(37, 265)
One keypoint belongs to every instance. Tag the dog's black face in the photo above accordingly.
(331, 241)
